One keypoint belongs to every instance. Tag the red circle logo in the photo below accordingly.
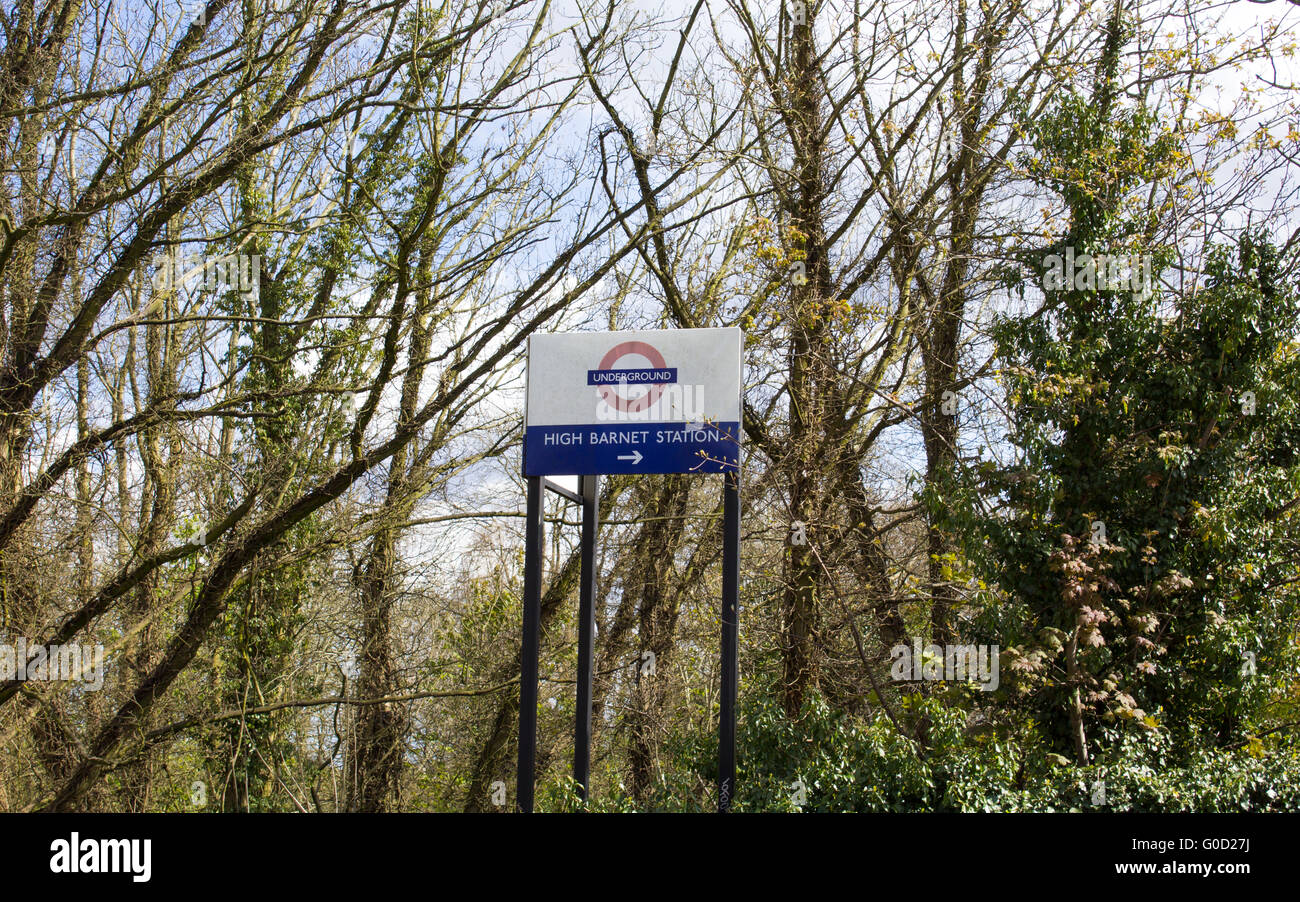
(617, 353)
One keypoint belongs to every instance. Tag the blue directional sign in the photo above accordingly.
(633, 402)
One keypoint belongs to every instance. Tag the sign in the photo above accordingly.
(626, 402)
(666, 401)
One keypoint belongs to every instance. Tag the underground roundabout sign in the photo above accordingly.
(666, 401)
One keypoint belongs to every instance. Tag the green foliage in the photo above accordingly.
(1139, 424)
(848, 763)
(1138, 542)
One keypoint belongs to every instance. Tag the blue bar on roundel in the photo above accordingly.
(609, 448)
(644, 376)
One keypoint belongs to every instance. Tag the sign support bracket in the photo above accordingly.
(575, 497)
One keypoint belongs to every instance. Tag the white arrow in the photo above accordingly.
(635, 457)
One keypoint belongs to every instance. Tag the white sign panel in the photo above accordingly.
(666, 401)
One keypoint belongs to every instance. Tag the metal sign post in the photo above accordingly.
(533, 544)
(730, 640)
(587, 488)
(627, 402)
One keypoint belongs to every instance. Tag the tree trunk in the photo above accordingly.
(809, 372)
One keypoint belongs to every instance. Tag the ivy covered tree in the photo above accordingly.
(1140, 540)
